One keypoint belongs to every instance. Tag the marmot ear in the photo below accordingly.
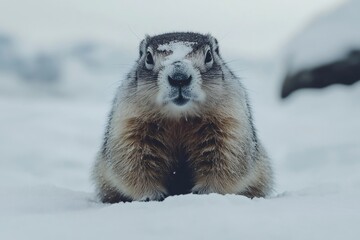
(214, 43)
(143, 44)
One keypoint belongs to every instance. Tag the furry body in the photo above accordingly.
(180, 123)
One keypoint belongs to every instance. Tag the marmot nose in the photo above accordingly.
(179, 80)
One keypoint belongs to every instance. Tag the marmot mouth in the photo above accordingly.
(180, 100)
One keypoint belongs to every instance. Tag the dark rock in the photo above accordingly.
(343, 71)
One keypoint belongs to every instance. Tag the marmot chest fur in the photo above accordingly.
(180, 123)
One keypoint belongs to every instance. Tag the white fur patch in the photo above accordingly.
(177, 51)
(164, 98)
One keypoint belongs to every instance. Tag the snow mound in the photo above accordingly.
(329, 37)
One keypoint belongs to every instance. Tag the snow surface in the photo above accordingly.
(48, 144)
(327, 38)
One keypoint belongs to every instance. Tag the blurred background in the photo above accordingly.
(61, 61)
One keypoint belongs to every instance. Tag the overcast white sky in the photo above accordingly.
(251, 28)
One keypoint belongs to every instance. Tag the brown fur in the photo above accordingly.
(149, 148)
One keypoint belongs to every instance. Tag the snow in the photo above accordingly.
(178, 49)
(327, 38)
(48, 145)
(189, 217)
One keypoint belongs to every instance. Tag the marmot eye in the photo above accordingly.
(208, 57)
(149, 59)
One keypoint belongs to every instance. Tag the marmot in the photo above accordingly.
(180, 123)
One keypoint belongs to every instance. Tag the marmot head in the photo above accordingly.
(179, 73)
